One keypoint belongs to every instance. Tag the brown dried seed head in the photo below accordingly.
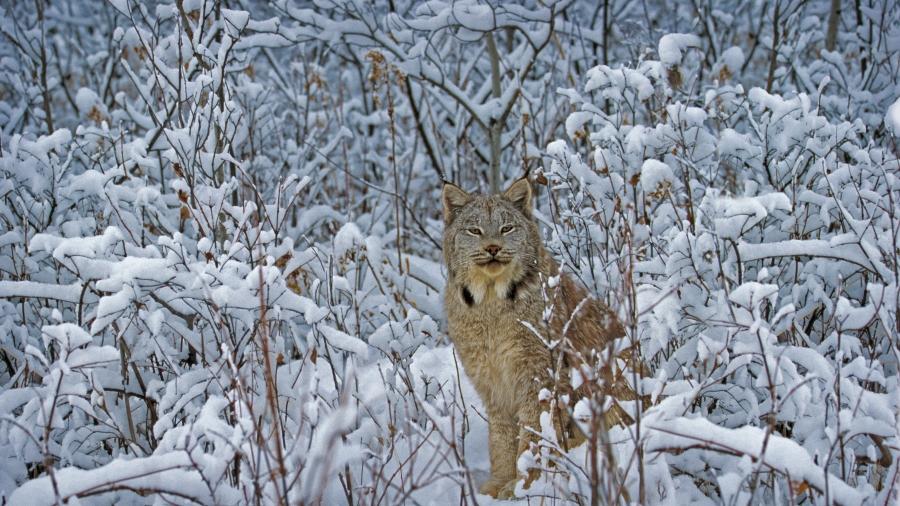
(674, 76)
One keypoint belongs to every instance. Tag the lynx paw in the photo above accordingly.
(499, 488)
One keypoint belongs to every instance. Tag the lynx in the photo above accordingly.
(498, 287)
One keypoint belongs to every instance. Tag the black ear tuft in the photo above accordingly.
(453, 199)
(519, 194)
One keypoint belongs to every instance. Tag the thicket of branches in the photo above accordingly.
(220, 268)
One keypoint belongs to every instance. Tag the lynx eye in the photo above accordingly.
(506, 229)
(474, 231)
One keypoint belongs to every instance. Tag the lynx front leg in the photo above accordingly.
(531, 435)
(502, 445)
(509, 438)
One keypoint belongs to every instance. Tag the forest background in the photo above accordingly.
(220, 265)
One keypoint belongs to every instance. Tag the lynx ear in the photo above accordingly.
(453, 199)
(519, 194)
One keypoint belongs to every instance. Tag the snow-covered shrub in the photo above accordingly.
(165, 333)
(219, 267)
(751, 246)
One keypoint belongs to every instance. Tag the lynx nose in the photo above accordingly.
(493, 249)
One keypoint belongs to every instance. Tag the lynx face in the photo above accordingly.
(490, 244)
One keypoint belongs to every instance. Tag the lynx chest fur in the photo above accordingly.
(505, 301)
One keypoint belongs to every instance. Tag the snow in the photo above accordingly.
(740, 214)
(237, 19)
(90, 105)
(121, 6)
(615, 82)
(845, 252)
(852, 318)
(478, 18)
(348, 238)
(657, 177)
(780, 454)
(344, 341)
(67, 335)
(157, 472)
(30, 289)
(892, 118)
(672, 47)
(732, 58)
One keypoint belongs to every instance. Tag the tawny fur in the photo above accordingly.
(496, 294)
